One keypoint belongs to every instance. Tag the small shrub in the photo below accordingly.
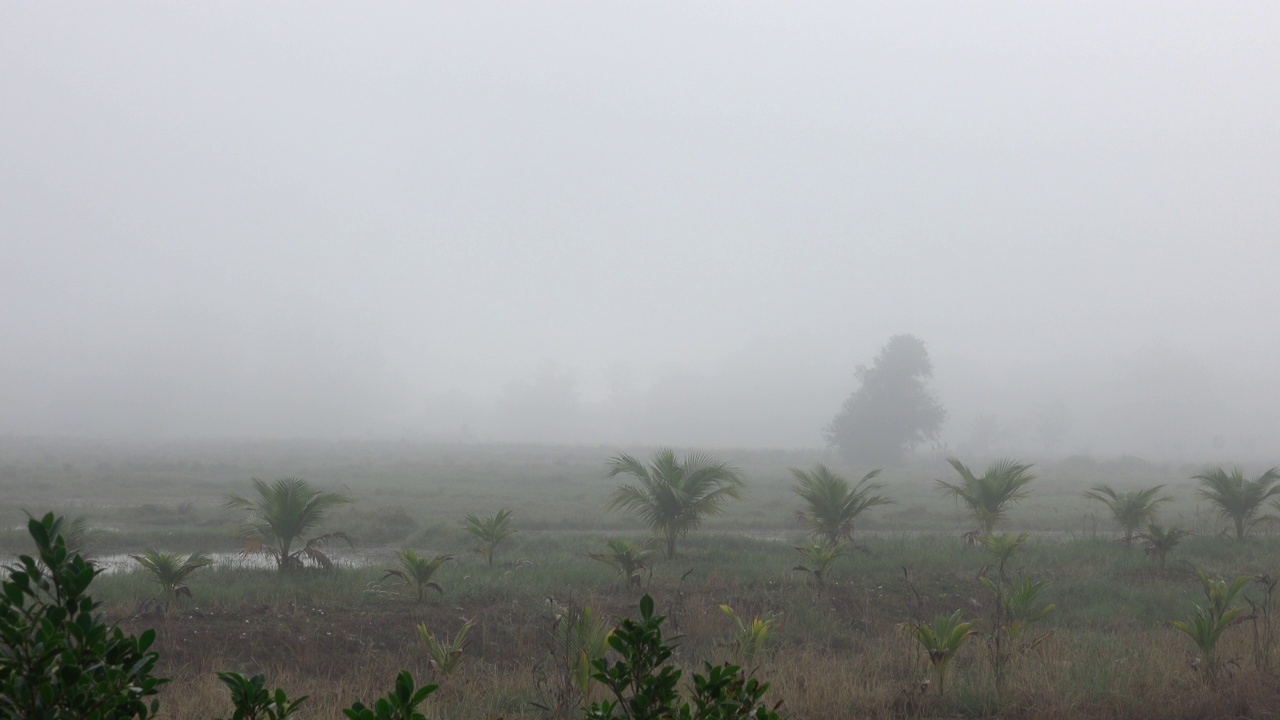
(645, 687)
(399, 704)
(251, 700)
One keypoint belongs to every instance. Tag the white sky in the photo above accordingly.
(320, 218)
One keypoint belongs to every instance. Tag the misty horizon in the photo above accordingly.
(656, 224)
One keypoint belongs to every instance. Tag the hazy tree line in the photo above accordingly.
(1157, 403)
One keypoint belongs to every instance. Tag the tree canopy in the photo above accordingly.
(893, 410)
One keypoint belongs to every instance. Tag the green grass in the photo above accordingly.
(1112, 650)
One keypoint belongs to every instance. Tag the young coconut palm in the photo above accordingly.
(1205, 628)
(820, 555)
(1002, 546)
(942, 641)
(673, 494)
(831, 506)
(752, 636)
(627, 558)
(490, 531)
(171, 570)
(445, 654)
(1237, 498)
(281, 514)
(1131, 510)
(1161, 542)
(418, 570)
(582, 638)
(1022, 607)
(988, 497)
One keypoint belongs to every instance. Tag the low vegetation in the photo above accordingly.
(171, 570)
(444, 653)
(989, 496)
(942, 641)
(1161, 541)
(1207, 625)
(418, 571)
(281, 514)
(818, 558)
(673, 495)
(1046, 616)
(831, 506)
(628, 559)
(58, 659)
(1237, 498)
(752, 635)
(1130, 510)
(490, 531)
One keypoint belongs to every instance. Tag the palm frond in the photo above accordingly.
(831, 506)
(171, 570)
(1237, 498)
(672, 495)
(418, 570)
(627, 558)
(490, 531)
(283, 512)
(1130, 510)
(988, 497)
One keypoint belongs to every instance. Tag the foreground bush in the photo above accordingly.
(645, 687)
(58, 659)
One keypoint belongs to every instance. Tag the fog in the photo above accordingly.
(641, 223)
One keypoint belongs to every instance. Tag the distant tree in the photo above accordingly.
(893, 411)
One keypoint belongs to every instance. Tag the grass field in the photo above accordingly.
(836, 650)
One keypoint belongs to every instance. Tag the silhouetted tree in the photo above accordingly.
(893, 411)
